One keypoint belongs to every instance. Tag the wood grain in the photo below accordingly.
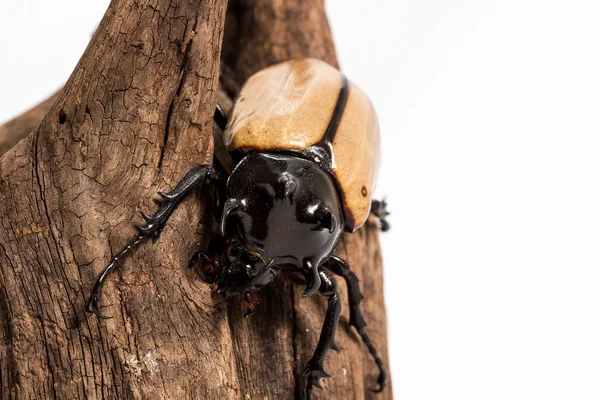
(13, 131)
(134, 116)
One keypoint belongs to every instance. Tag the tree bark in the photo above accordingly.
(135, 115)
(18, 128)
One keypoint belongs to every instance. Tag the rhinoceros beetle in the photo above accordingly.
(305, 142)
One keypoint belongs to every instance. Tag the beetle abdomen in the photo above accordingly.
(290, 106)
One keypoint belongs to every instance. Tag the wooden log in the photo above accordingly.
(19, 127)
(134, 116)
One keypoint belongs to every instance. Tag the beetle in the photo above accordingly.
(305, 143)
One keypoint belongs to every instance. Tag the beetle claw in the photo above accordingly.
(379, 209)
(141, 229)
(315, 373)
(166, 196)
(91, 306)
(382, 382)
(146, 217)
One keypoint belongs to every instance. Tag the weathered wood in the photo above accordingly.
(132, 119)
(19, 127)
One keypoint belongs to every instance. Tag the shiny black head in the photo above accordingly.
(243, 269)
(281, 211)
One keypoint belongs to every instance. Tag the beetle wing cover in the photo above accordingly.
(356, 157)
(288, 107)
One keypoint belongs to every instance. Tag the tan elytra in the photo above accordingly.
(289, 106)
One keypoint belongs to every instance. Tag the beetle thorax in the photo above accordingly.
(283, 208)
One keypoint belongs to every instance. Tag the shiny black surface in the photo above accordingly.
(283, 209)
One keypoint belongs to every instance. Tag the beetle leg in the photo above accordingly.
(250, 301)
(204, 175)
(210, 259)
(341, 268)
(314, 280)
(379, 209)
(314, 368)
(211, 268)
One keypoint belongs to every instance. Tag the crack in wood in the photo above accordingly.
(77, 357)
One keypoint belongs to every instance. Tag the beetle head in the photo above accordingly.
(243, 270)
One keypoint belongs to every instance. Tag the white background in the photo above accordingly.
(491, 161)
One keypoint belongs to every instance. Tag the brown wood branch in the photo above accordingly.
(134, 116)
(18, 128)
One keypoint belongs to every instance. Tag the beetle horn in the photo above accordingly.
(231, 207)
(325, 218)
(286, 186)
